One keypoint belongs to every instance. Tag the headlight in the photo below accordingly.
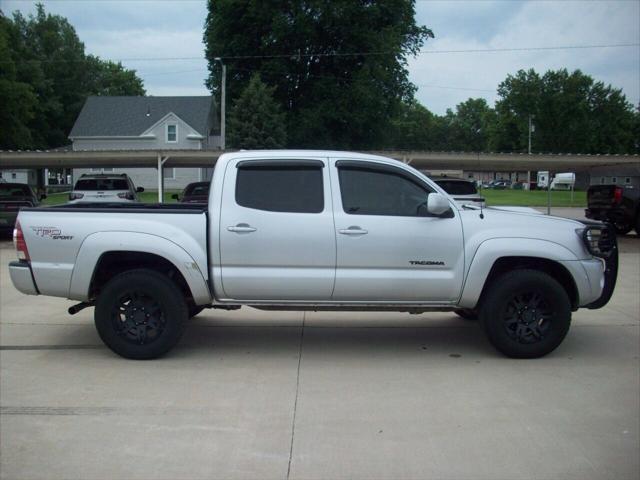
(599, 240)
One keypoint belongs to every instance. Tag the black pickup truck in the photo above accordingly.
(616, 204)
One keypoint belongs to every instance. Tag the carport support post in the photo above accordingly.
(161, 177)
(549, 192)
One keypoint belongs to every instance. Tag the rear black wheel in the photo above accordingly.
(526, 314)
(140, 314)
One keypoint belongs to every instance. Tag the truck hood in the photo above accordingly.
(498, 223)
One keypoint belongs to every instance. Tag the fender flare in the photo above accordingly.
(489, 251)
(97, 244)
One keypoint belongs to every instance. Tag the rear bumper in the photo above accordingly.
(617, 215)
(22, 278)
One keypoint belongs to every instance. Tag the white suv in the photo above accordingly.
(104, 188)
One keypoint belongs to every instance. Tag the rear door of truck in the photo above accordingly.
(277, 238)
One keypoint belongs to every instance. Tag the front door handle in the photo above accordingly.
(242, 228)
(353, 230)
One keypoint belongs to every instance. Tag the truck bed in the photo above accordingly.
(66, 242)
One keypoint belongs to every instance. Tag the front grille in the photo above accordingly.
(599, 240)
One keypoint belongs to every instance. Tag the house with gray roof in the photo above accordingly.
(147, 123)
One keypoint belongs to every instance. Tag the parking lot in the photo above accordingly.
(276, 395)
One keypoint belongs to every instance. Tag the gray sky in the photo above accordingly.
(145, 28)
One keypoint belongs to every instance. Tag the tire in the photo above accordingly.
(158, 314)
(526, 314)
(622, 228)
(466, 313)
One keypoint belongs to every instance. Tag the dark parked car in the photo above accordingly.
(499, 184)
(615, 204)
(463, 192)
(197, 192)
(14, 196)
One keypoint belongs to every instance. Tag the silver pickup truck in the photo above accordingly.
(315, 230)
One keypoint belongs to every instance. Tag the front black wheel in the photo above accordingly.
(140, 314)
(526, 314)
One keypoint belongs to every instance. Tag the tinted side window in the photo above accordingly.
(371, 192)
(295, 189)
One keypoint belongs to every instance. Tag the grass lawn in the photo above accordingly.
(145, 197)
(533, 198)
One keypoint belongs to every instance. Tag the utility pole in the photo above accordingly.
(531, 130)
(529, 150)
(223, 102)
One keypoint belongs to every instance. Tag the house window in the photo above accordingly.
(172, 133)
(602, 180)
(169, 173)
(13, 176)
(627, 180)
(614, 180)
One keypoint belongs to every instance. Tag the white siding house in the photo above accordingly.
(147, 123)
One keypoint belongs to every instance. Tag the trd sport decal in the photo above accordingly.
(426, 262)
(53, 233)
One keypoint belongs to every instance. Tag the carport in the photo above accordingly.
(160, 159)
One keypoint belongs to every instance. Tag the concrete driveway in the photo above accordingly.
(270, 395)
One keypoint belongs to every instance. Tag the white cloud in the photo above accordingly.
(534, 24)
(126, 29)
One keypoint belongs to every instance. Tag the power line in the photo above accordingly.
(356, 54)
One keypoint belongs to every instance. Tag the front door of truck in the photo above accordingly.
(389, 249)
(276, 230)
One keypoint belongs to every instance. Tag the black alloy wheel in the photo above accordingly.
(138, 318)
(141, 314)
(525, 313)
(527, 317)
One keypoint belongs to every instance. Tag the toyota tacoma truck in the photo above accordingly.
(315, 230)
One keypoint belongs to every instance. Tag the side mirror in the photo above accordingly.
(175, 196)
(139, 189)
(437, 204)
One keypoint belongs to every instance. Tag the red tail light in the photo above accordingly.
(76, 196)
(20, 244)
(617, 195)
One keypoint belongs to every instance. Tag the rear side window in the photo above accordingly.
(372, 192)
(102, 184)
(457, 188)
(295, 189)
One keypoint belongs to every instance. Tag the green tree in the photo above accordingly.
(256, 120)
(17, 99)
(471, 125)
(572, 114)
(305, 49)
(47, 56)
(413, 127)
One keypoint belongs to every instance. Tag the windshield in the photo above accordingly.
(102, 184)
(457, 188)
(8, 190)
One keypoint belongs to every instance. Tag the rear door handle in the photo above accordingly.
(353, 231)
(242, 228)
